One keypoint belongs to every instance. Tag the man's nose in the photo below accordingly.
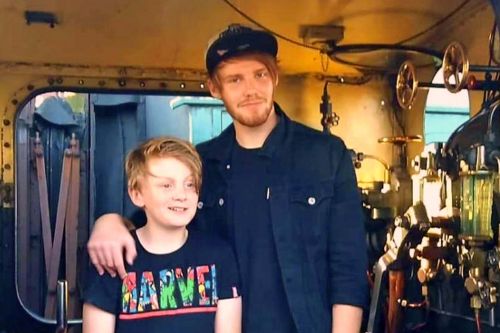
(250, 86)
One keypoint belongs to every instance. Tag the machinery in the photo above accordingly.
(441, 257)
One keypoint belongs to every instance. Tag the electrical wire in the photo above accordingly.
(435, 25)
(239, 11)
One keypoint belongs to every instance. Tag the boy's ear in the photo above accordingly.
(214, 90)
(136, 197)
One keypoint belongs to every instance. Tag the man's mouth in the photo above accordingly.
(252, 102)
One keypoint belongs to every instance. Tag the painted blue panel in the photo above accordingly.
(438, 128)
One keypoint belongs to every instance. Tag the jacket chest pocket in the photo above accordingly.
(212, 213)
(310, 207)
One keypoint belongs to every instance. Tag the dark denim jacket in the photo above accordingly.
(316, 217)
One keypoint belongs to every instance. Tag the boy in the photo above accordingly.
(181, 281)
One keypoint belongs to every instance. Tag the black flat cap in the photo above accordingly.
(237, 39)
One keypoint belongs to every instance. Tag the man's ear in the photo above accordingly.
(277, 80)
(136, 197)
(214, 90)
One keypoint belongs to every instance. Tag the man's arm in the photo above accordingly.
(228, 316)
(347, 250)
(109, 241)
(346, 318)
(97, 320)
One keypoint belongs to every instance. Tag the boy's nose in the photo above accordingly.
(180, 194)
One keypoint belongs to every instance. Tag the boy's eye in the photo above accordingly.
(190, 185)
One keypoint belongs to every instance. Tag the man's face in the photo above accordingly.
(247, 90)
(167, 193)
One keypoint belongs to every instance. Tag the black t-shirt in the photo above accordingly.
(175, 292)
(265, 303)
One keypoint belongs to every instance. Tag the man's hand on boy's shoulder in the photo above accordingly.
(106, 253)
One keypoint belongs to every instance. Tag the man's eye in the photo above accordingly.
(234, 80)
(261, 75)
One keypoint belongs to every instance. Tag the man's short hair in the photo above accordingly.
(267, 60)
(162, 147)
(237, 40)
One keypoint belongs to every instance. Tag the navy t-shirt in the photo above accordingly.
(175, 292)
(265, 303)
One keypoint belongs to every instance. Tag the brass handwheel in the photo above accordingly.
(406, 85)
(456, 66)
(401, 140)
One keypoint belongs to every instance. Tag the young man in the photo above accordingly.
(283, 194)
(180, 281)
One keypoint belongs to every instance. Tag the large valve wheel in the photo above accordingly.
(494, 45)
(406, 85)
(455, 67)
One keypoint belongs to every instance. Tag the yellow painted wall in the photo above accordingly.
(362, 118)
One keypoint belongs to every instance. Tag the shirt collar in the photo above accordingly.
(277, 135)
(223, 145)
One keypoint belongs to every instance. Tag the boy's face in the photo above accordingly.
(247, 90)
(167, 193)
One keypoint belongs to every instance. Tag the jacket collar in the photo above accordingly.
(222, 145)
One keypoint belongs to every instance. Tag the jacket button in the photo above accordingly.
(200, 204)
(311, 200)
(221, 201)
(228, 166)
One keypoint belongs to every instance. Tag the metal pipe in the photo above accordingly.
(430, 85)
(491, 317)
(482, 68)
(494, 107)
(460, 316)
(62, 307)
(480, 158)
(497, 158)
(387, 168)
(375, 306)
(480, 85)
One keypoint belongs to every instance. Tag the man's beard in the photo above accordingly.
(252, 119)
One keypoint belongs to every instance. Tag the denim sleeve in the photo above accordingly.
(347, 245)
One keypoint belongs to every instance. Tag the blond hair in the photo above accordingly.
(267, 60)
(162, 147)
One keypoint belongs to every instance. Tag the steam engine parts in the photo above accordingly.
(442, 255)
